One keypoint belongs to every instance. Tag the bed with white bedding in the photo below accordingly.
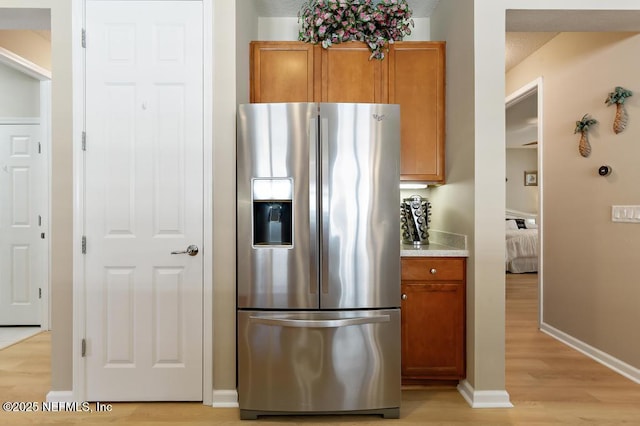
(521, 251)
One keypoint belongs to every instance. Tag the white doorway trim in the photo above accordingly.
(78, 392)
(207, 134)
(45, 132)
(536, 86)
(44, 120)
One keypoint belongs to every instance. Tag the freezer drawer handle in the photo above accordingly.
(332, 323)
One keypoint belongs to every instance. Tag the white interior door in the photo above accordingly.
(144, 200)
(22, 244)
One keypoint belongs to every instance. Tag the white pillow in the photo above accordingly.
(510, 224)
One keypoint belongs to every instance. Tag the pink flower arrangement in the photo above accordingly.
(376, 23)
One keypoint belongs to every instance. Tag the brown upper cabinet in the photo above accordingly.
(349, 76)
(416, 82)
(412, 75)
(282, 71)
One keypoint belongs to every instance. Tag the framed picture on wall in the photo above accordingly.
(531, 178)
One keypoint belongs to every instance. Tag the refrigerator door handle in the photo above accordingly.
(326, 194)
(313, 206)
(330, 323)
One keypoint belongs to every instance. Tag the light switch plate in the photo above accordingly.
(630, 214)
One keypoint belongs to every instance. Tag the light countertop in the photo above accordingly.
(441, 244)
(432, 250)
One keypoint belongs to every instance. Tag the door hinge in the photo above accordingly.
(84, 245)
(83, 347)
(40, 293)
(39, 148)
(39, 220)
(84, 38)
(84, 141)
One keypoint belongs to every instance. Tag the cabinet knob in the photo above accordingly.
(433, 271)
(404, 296)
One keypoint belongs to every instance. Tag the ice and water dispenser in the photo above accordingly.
(272, 212)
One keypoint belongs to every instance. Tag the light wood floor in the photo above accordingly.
(549, 384)
(10, 334)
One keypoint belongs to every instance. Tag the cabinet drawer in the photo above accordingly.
(433, 269)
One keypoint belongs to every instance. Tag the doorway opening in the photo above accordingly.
(25, 141)
(524, 172)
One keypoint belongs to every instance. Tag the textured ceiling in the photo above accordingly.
(573, 20)
(519, 45)
(290, 8)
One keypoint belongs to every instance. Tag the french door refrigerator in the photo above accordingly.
(318, 259)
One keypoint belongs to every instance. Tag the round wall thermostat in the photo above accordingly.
(604, 170)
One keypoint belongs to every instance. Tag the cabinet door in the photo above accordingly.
(348, 75)
(282, 72)
(433, 331)
(416, 82)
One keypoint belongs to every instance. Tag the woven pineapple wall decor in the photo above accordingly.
(617, 97)
(582, 126)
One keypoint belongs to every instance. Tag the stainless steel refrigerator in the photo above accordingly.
(318, 259)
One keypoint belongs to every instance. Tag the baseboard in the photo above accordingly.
(620, 367)
(221, 398)
(225, 399)
(484, 399)
(60, 396)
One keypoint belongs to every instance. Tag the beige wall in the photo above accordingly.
(246, 31)
(518, 196)
(466, 202)
(33, 46)
(61, 193)
(591, 287)
(20, 94)
(224, 195)
(281, 29)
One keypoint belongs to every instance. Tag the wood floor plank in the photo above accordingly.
(548, 382)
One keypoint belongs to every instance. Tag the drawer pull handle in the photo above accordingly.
(404, 296)
(433, 271)
(291, 321)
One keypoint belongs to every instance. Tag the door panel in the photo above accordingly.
(318, 361)
(276, 148)
(349, 75)
(144, 200)
(282, 71)
(360, 216)
(417, 84)
(22, 250)
(433, 352)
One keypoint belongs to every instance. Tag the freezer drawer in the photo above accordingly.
(319, 362)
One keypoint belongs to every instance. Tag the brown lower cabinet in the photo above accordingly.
(433, 319)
